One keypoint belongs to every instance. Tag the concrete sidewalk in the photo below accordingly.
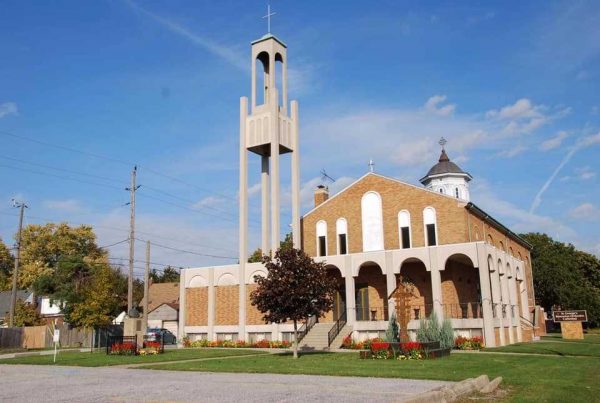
(26, 383)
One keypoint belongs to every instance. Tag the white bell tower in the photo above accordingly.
(269, 129)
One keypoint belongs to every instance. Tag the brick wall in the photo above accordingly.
(459, 283)
(227, 305)
(396, 196)
(371, 277)
(196, 306)
(415, 273)
(253, 315)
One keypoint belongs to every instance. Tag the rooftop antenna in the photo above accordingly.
(324, 176)
(268, 17)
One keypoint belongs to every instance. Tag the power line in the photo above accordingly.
(113, 244)
(122, 230)
(189, 251)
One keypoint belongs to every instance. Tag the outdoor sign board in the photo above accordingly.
(570, 316)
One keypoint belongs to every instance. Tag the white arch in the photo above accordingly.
(198, 281)
(226, 279)
(341, 228)
(430, 217)
(372, 222)
(404, 222)
(321, 232)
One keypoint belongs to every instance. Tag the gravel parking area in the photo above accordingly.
(26, 383)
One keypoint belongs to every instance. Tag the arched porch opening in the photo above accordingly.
(413, 272)
(371, 293)
(461, 290)
(339, 299)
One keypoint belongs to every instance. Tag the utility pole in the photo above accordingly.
(132, 190)
(13, 298)
(146, 288)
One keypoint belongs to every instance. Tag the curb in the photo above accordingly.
(454, 392)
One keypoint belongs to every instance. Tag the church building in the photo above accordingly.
(465, 265)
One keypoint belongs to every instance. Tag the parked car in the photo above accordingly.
(156, 334)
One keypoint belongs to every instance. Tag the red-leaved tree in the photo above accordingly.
(295, 288)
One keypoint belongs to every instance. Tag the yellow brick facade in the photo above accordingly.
(227, 305)
(395, 196)
(196, 303)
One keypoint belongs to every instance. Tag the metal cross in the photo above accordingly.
(442, 142)
(268, 17)
(371, 165)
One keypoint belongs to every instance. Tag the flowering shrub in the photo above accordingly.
(237, 344)
(123, 349)
(350, 344)
(152, 344)
(464, 343)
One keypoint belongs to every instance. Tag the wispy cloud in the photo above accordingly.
(554, 142)
(512, 152)
(8, 108)
(582, 143)
(67, 206)
(229, 55)
(585, 211)
(524, 116)
(434, 104)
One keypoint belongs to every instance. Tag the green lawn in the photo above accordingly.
(590, 347)
(100, 359)
(526, 378)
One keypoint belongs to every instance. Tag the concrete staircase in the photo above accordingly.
(317, 337)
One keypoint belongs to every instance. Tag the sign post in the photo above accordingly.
(56, 339)
(570, 323)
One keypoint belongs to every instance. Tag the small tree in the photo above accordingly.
(429, 329)
(392, 333)
(27, 315)
(295, 288)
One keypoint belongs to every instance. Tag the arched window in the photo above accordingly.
(322, 238)
(372, 222)
(456, 194)
(429, 221)
(341, 228)
(404, 231)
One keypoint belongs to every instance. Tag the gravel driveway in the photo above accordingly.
(25, 383)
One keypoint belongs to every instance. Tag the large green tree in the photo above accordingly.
(44, 246)
(6, 267)
(167, 275)
(295, 288)
(565, 277)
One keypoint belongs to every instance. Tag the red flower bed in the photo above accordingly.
(411, 345)
(124, 349)
(378, 345)
(152, 344)
(464, 343)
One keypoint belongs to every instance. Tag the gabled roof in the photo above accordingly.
(5, 297)
(162, 293)
(384, 177)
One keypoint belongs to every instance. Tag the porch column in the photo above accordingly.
(486, 297)
(506, 301)
(436, 292)
(390, 277)
(350, 293)
(181, 318)
(211, 305)
(515, 301)
(495, 280)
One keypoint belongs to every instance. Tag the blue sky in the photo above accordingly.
(513, 86)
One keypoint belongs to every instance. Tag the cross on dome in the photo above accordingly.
(268, 17)
(443, 142)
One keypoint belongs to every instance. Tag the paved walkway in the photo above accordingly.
(24, 383)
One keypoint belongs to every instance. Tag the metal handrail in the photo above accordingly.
(336, 328)
(305, 328)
